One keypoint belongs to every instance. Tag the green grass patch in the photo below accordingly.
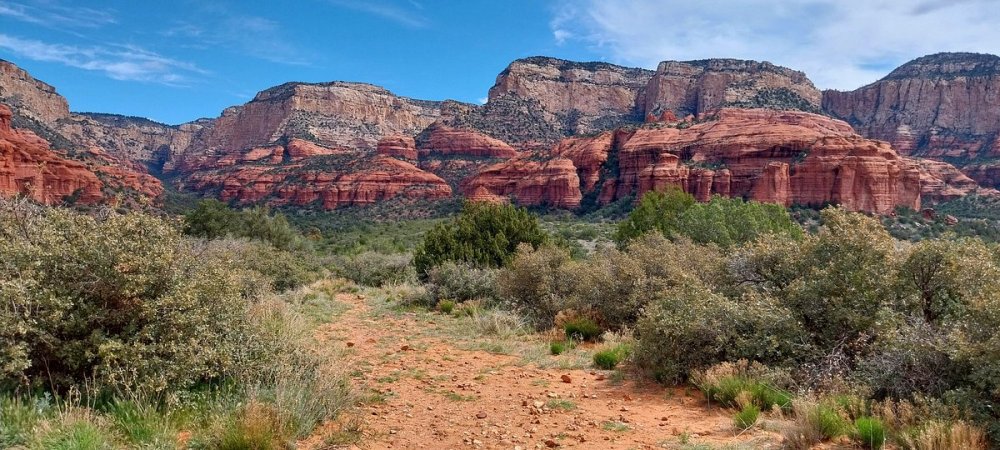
(582, 329)
(870, 432)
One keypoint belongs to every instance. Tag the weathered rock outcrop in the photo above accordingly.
(29, 167)
(30, 97)
(327, 182)
(147, 143)
(944, 106)
(553, 182)
(439, 140)
(398, 146)
(334, 115)
(785, 157)
(695, 87)
(576, 97)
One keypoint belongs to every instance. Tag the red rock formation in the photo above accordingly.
(767, 155)
(943, 106)
(398, 146)
(553, 182)
(941, 181)
(352, 182)
(29, 167)
(442, 140)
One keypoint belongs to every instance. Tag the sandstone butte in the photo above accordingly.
(944, 106)
(784, 157)
(29, 167)
(301, 173)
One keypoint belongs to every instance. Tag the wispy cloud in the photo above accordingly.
(53, 14)
(119, 62)
(408, 17)
(254, 36)
(839, 43)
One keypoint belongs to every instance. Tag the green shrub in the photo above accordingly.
(557, 347)
(537, 283)
(483, 235)
(74, 430)
(828, 422)
(213, 219)
(656, 211)
(377, 269)
(20, 418)
(583, 329)
(461, 282)
(446, 306)
(283, 270)
(123, 300)
(746, 418)
(690, 327)
(609, 358)
(871, 432)
(723, 221)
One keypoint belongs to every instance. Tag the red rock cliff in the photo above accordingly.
(773, 156)
(29, 167)
(944, 106)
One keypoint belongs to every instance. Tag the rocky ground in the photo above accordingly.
(434, 381)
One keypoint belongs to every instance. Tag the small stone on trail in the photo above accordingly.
(350, 344)
(566, 379)
(600, 377)
(404, 348)
(481, 415)
(551, 444)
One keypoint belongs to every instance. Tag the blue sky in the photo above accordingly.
(175, 61)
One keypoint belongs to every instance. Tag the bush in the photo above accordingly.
(557, 348)
(446, 306)
(495, 322)
(461, 282)
(731, 382)
(722, 221)
(213, 219)
(377, 269)
(283, 270)
(122, 300)
(483, 235)
(746, 418)
(656, 211)
(609, 358)
(690, 327)
(582, 328)
(870, 432)
(537, 283)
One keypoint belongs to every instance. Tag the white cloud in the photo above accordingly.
(840, 44)
(118, 62)
(387, 10)
(219, 26)
(53, 14)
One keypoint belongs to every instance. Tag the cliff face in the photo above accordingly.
(576, 97)
(148, 144)
(336, 115)
(30, 97)
(944, 106)
(115, 149)
(695, 87)
(773, 156)
(30, 167)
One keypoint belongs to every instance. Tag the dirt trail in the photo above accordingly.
(435, 395)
